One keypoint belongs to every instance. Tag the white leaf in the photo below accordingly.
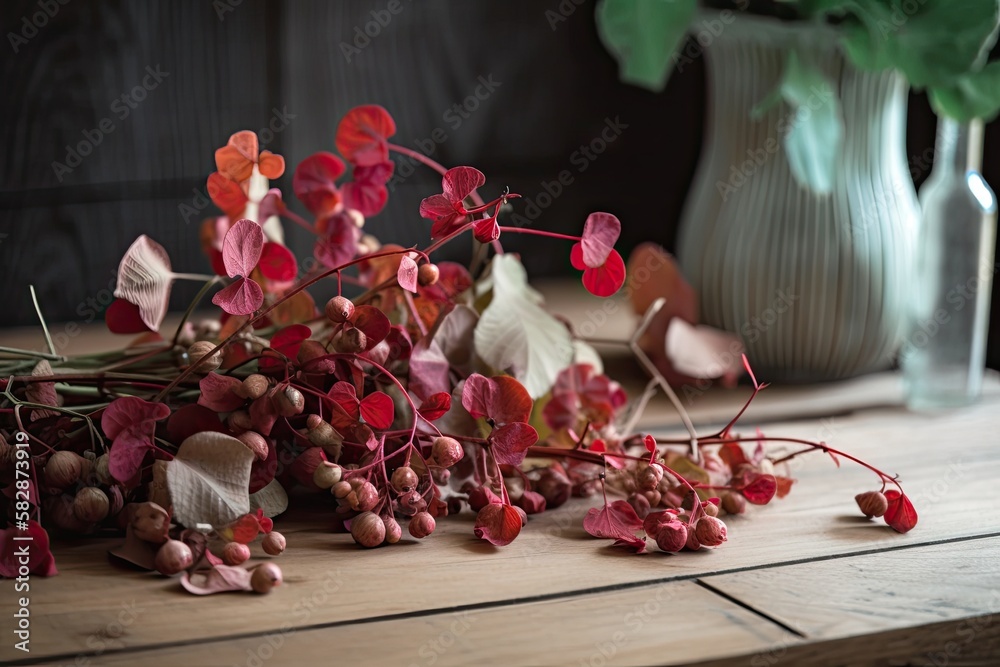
(584, 353)
(209, 479)
(145, 278)
(701, 351)
(272, 499)
(516, 335)
(816, 133)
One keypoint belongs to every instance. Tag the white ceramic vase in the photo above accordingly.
(814, 284)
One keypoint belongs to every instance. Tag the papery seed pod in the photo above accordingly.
(711, 509)
(309, 350)
(327, 474)
(710, 531)
(150, 522)
(734, 503)
(341, 489)
(447, 451)
(91, 504)
(339, 309)
(672, 536)
(289, 401)
(421, 525)
(102, 475)
(367, 497)
(63, 469)
(872, 503)
(273, 543)
(202, 358)
(235, 553)
(239, 421)
(264, 577)
(58, 510)
(640, 504)
(352, 340)
(173, 557)
(404, 479)
(255, 442)
(367, 529)
(253, 387)
(393, 531)
(428, 274)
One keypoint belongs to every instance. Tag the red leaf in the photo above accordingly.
(616, 521)
(314, 182)
(761, 489)
(476, 395)
(244, 530)
(237, 157)
(217, 392)
(601, 448)
(123, 317)
(192, 419)
(732, 454)
(406, 276)
(784, 485)
(346, 396)
(365, 197)
(650, 443)
(460, 182)
(130, 423)
(600, 233)
(501, 398)
(486, 230)
(241, 248)
(498, 523)
(287, 342)
(901, 515)
(606, 279)
(242, 297)
(511, 441)
(373, 324)
(227, 195)
(39, 559)
(277, 263)
(362, 133)
(447, 210)
(435, 406)
(337, 240)
(377, 410)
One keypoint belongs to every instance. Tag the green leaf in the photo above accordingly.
(930, 41)
(975, 95)
(644, 35)
(812, 143)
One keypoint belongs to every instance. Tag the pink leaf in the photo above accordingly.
(746, 365)
(344, 394)
(511, 441)
(406, 276)
(242, 297)
(130, 423)
(219, 579)
(39, 558)
(486, 230)
(373, 324)
(435, 406)
(314, 182)
(242, 247)
(287, 342)
(636, 544)
(217, 392)
(615, 521)
(277, 263)
(476, 395)
(365, 197)
(377, 410)
(901, 515)
(761, 489)
(498, 524)
(459, 182)
(362, 133)
(600, 447)
(600, 233)
(337, 240)
(650, 443)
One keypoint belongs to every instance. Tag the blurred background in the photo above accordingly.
(513, 88)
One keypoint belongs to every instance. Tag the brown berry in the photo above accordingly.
(101, 471)
(393, 531)
(339, 309)
(202, 358)
(447, 451)
(273, 543)
(368, 530)
(640, 504)
(710, 531)
(254, 386)
(150, 523)
(255, 442)
(421, 525)
(341, 489)
(173, 557)
(367, 496)
(63, 469)
(235, 553)
(734, 503)
(321, 433)
(352, 340)
(404, 479)
(872, 503)
(289, 401)
(428, 274)
(239, 421)
(265, 577)
(91, 504)
(327, 474)
(711, 509)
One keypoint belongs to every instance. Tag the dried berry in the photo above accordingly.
(91, 505)
(421, 525)
(339, 309)
(872, 503)
(289, 401)
(367, 496)
(352, 340)
(404, 479)
(322, 434)
(273, 543)
(265, 577)
(447, 451)
(710, 531)
(150, 522)
(256, 442)
(173, 557)
(63, 469)
(341, 489)
(367, 529)
(711, 509)
(640, 504)
(100, 469)
(235, 553)
(734, 503)
(202, 358)
(327, 474)
(239, 421)
(650, 477)
(254, 386)
(672, 536)
(428, 274)
(393, 531)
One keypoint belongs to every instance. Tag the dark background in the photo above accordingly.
(237, 65)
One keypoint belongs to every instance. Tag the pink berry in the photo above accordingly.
(368, 530)
(273, 543)
(235, 553)
(265, 577)
(173, 557)
(447, 451)
(421, 525)
(339, 309)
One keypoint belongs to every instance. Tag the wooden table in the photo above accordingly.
(804, 581)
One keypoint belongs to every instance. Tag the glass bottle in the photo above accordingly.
(944, 355)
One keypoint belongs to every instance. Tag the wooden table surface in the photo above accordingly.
(803, 581)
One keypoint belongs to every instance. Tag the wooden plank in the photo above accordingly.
(950, 465)
(633, 627)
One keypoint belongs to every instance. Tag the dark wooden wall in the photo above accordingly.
(242, 64)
